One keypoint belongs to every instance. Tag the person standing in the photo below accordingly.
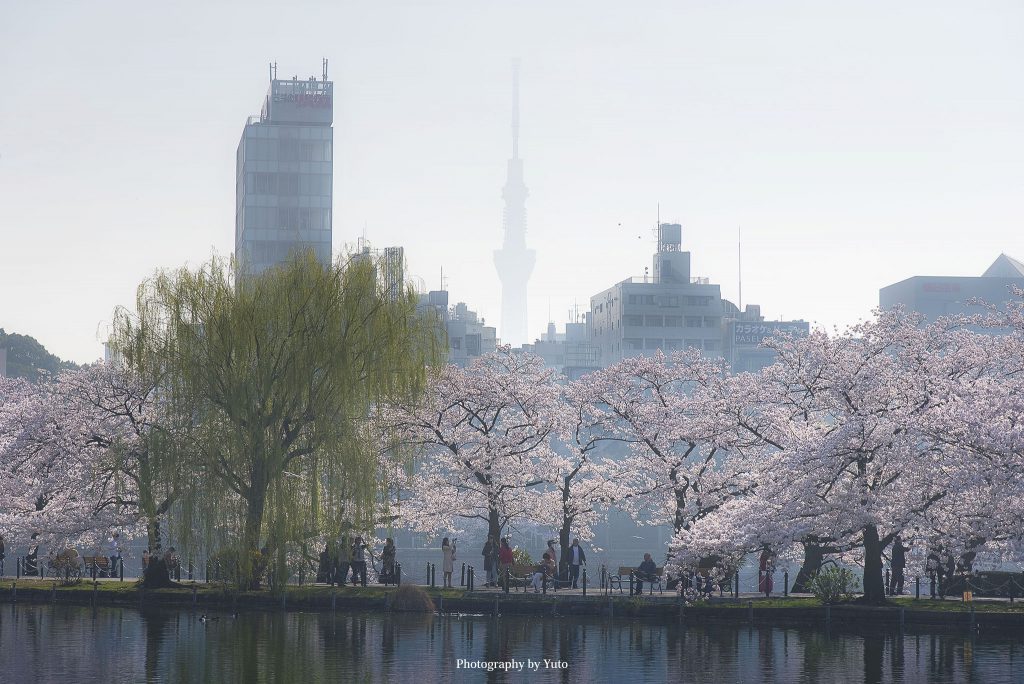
(344, 559)
(490, 565)
(899, 563)
(387, 558)
(576, 558)
(115, 554)
(359, 562)
(765, 583)
(448, 561)
(505, 559)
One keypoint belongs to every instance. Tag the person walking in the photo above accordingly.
(576, 558)
(448, 561)
(899, 563)
(490, 553)
(505, 559)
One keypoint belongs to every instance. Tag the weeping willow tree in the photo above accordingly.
(279, 374)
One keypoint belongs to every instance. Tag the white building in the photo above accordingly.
(466, 334)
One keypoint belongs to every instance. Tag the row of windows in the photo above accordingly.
(668, 300)
(288, 184)
(658, 321)
(278, 252)
(288, 150)
(288, 218)
(652, 343)
(290, 132)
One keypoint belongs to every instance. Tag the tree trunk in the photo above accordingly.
(251, 562)
(813, 556)
(874, 589)
(564, 542)
(493, 524)
(156, 575)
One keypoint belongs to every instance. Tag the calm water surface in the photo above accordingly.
(41, 643)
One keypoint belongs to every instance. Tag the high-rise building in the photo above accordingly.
(284, 175)
(514, 261)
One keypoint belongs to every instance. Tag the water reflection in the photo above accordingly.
(48, 643)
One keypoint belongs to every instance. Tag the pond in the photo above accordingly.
(60, 643)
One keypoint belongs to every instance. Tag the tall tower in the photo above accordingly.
(284, 179)
(514, 261)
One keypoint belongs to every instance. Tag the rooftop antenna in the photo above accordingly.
(739, 264)
(273, 71)
(325, 70)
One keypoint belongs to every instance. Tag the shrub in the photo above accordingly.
(410, 598)
(833, 585)
(522, 557)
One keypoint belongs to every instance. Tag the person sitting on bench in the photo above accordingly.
(647, 572)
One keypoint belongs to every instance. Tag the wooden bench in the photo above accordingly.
(625, 572)
(101, 564)
(522, 574)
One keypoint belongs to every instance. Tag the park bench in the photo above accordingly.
(625, 572)
(521, 575)
(99, 564)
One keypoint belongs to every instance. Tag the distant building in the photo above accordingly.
(284, 175)
(388, 264)
(466, 335)
(571, 353)
(665, 310)
(935, 296)
(668, 309)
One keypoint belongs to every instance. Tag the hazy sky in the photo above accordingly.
(856, 143)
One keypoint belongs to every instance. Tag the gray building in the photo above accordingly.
(935, 296)
(284, 175)
(572, 352)
(668, 310)
(466, 334)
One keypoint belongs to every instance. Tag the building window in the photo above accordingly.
(652, 343)
(633, 320)
(694, 321)
(710, 322)
(669, 300)
(694, 343)
(632, 299)
(673, 321)
(653, 321)
(632, 343)
(673, 344)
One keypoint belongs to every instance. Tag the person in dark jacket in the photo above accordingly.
(576, 558)
(647, 572)
(899, 563)
(490, 554)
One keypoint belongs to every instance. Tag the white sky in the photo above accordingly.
(856, 143)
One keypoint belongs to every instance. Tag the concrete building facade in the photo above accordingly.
(284, 175)
(935, 296)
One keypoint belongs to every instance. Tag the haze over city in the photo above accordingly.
(855, 145)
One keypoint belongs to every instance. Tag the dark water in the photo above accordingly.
(41, 643)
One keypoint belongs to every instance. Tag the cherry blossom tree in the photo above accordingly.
(683, 458)
(482, 437)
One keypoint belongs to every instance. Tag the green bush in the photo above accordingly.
(521, 557)
(410, 598)
(833, 585)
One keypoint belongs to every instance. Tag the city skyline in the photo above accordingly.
(856, 147)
